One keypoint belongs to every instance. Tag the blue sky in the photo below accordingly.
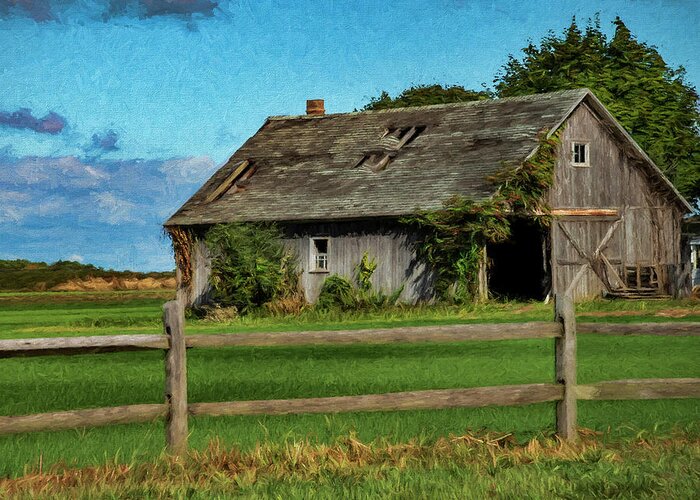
(113, 112)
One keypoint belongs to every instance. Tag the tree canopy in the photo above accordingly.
(649, 98)
(423, 95)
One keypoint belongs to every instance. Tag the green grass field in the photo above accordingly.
(42, 384)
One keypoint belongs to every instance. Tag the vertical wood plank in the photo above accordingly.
(181, 292)
(483, 276)
(175, 378)
(565, 367)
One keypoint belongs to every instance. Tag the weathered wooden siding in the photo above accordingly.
(199, 290)
(649, 233)
(588, 232)
(387, 243)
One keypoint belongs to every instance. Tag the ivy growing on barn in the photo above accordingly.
(452, 239)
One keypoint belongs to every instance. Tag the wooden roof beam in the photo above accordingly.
(228, 182)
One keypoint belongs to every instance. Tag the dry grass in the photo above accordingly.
(215, 466)
(218, 314)
(289, 305)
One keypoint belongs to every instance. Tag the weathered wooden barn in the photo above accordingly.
(337, 184)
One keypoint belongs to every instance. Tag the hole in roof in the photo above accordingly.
(376, 162)
(393, 139)
(398, 137)
(418, 131)
(236, 181)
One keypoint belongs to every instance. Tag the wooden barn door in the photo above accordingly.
(587, 252)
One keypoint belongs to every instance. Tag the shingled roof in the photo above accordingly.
(375, 163)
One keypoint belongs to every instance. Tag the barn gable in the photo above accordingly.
(618, 229)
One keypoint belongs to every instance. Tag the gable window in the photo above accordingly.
(580, 154)
(319, 255)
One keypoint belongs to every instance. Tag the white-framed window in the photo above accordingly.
(319, 255)
(580, 154)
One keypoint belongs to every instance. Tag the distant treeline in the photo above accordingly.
(25, 275)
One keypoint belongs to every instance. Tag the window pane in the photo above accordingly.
(321, 245)
(579, 153)
(319, 254)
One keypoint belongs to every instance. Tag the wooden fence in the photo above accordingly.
(176, 410)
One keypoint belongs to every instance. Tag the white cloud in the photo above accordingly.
(114, 210)
(14, 206)
(11, 214)
(13, 197)
(76, 258)
(51, 206)
(188, 170)
(66, 171)
(109, 211)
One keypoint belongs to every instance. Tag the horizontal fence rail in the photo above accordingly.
(443, 333)
(565, 392)
(94, 417)
(415, 334)
(650, 388)
(667, 329)
(80, 345)
(476, 397)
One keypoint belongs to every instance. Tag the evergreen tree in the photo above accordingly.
(650, 99)
(423, 95)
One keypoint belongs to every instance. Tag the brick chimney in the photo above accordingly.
(315, 107)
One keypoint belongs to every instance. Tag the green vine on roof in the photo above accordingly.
(524, 189)
(453, 238)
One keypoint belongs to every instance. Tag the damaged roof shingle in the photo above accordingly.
(306, 165)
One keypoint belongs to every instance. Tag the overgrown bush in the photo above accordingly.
(364, 271)
(338, 292)
(250, 266)
(452, 241)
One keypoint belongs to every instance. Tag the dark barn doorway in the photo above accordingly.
(519, 267)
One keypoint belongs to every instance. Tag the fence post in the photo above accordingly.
(175, 378)
(565, 367)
